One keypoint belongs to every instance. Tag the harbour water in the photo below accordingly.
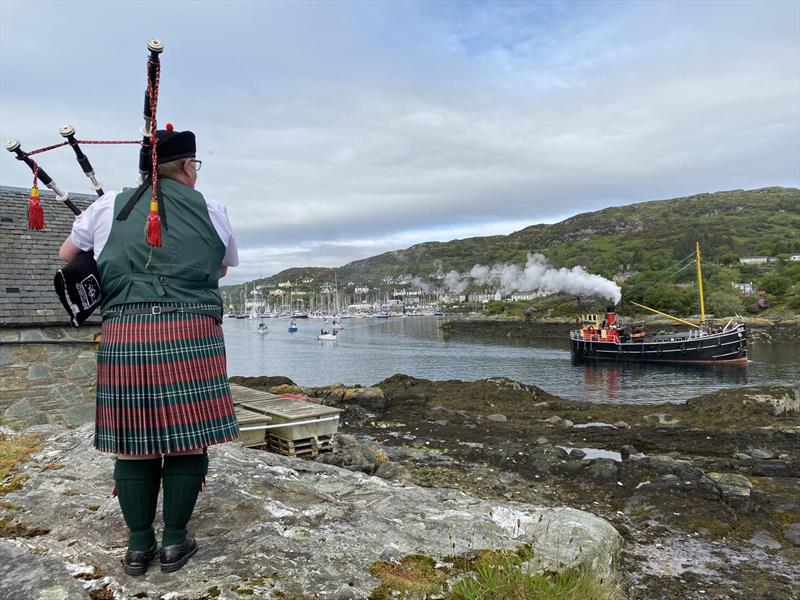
(369, 350)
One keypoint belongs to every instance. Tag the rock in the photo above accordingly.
(319, 527)
(541, 440)
(371, 398)
(38, 371)
(774, 469)
(742, 456)
(553, 420)
(567, 423)
(761, 454)
(20, 409)
(707, 488)
(661, 419)
(577, 453)
(661, 463)
(441, 422)
(355, 415)
(497, 418)
(393, 472)
(763, 540)
(25, 575)
(541, 405)
(604, 468)
(557, 452)
(621, 425)
(627, 450)
(792, 533)
(354, 455)
(541, 465)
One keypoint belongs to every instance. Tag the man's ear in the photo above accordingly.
(185, 168)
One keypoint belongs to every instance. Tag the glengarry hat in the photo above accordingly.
(174, 145)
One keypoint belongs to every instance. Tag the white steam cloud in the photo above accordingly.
(538, 274)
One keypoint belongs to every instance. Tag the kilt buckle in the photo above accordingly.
(155, 310)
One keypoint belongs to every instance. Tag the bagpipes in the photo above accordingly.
(78, 283)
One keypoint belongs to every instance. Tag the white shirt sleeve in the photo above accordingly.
(91, 229)
(222, 224)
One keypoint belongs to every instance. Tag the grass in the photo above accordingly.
(510, 582)
(489, 575)
(414, 576)
(14, 449)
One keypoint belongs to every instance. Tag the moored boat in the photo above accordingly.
(609, 339)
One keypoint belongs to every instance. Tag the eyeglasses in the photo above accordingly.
(197, 163)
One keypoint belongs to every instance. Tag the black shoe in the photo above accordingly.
(175, 556)
(137, 561)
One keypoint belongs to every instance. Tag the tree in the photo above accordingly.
(774, 284)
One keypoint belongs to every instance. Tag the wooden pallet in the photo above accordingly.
(305, 447)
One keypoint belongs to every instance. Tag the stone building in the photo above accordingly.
(47, 366)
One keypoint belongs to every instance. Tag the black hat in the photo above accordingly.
(173, 145)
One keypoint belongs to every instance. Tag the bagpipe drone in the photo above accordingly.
(78, 283)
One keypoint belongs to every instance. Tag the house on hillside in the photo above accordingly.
(794, 257)
(745, 287)
(757, 260)
(47, 366)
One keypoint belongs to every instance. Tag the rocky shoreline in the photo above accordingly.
(705, 494)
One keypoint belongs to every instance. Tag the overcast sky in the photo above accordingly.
(335, 131)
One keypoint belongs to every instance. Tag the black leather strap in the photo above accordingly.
(137, 195)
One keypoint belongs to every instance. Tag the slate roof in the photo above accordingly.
(29, 259)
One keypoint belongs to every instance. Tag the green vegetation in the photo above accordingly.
(14, 449)
(637, 244)
(490, 575)
(414, 576)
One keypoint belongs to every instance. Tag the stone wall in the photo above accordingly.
(48, 374)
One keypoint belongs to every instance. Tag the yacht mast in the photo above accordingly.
(700, 284)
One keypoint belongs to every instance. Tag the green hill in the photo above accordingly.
(641, 241)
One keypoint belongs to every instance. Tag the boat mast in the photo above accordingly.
(700, 284)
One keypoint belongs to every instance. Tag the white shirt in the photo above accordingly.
(91, 229)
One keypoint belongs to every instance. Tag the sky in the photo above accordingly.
(334, 131)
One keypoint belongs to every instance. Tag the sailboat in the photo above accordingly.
(262, 328)
(703, 344)
(292, 326)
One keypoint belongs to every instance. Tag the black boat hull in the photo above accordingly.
(717, 348)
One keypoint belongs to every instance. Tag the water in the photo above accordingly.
(370, 350)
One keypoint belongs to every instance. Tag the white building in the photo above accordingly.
(794, 257)
(285, 284)
(530, 295)
(744, 287)
(757, 260)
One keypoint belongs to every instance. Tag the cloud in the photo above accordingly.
(337, 128)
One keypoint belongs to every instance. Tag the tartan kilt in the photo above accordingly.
(162, 383)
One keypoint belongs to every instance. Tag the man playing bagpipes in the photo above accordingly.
(162, 388)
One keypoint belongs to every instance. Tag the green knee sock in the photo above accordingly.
(137, 484)
(183, 478)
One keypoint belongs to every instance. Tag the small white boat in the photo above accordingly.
(327, 336)
(262, 328)
(337, 325)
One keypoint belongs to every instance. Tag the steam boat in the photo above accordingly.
(703, 344)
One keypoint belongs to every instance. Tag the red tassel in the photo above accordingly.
(114, 492)
(152, 230)
(35, 212)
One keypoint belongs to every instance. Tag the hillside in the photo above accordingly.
(642, 239)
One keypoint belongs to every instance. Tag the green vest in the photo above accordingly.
(186, 266)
